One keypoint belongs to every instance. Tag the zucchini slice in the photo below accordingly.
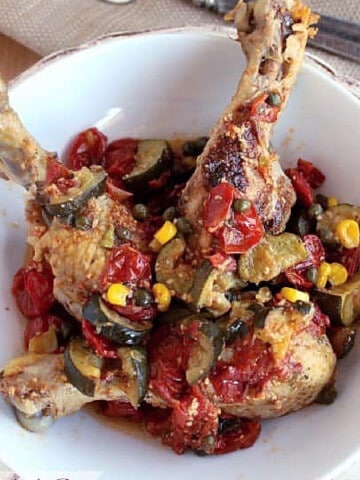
(210, 288)
(341, 303)
(153, 157)
(273, 255)
(112, 325)
(135, 368)
(89, 183)
(170, 270)
(328, 221)
(206, 351)
(82, 366)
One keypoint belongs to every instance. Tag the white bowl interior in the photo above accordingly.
(170, 84)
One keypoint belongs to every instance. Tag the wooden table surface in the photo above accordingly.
(14, 58)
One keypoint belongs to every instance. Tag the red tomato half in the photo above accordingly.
(244, 232)
(101, 345)
(303, 190)
(38, 325)
(33, 289)
(120, 157)
(87, 149)
(126, 264)
(241, 433)
(312, 174)
(316, 254)
(117, 408)
(217, 206)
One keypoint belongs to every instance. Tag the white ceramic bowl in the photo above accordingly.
(164, 84)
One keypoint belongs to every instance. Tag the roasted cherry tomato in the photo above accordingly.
(168, 355)
(303, 190)
(87, 149)
(101, 345)
(316, 254)
(120, 157)
(134, 313)
(223, 262)
(38, 325)
(312, 174)
(126, 264)
(217, 206)
(56, 171)
(248, 368)
(236, 433)
(243, 232)
(33, 289)
(118, 408)
(262, 110)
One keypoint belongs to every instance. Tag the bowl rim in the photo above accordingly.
(351, 85)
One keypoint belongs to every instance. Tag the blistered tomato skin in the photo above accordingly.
(88, 148)
(236, 232)
(33, 289)
(120, 157)
(126, 264)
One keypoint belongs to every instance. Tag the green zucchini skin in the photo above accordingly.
(153, 158)
(82, 366)
(112, 325)
(206, 350)
(341, 303)
(135, 368)
(92, 184)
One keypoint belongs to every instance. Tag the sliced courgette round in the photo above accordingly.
(112, 325)
(206, 350)
(171, 270)
(82, 366)
(341, 303)
(153, 157)
(134, 367)
(89, 183)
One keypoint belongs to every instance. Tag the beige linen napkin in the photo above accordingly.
(46, 26)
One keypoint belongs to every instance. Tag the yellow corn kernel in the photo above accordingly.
(348, 233)
(323, 274)
(165, 233)
(338, 274)
(162, 296)
(293, 295)
(332, 202)
(117, 293)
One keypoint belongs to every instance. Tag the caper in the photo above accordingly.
(240, 205)
(142, 297)
(231, 295)
(303, 307)
(237, 329)
(83, 223)
(315, 210)
(311, 274)
(183, 226)
(260, 317)
(273, 99)
(207, 446)
(140, 212)
(193, 148)
(124, 234)
(327, 395)
(169, 213)
(322, 199)
(325, 234)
